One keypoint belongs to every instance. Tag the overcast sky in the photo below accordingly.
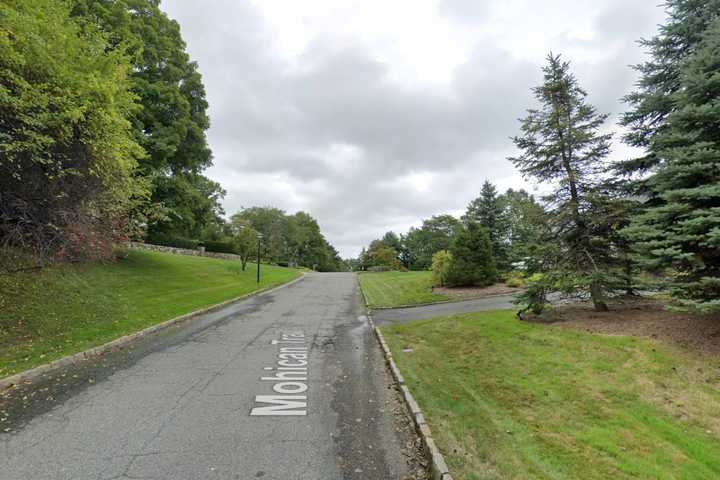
(374, 114)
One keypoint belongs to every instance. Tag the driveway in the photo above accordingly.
(399, 315)
(286, 385)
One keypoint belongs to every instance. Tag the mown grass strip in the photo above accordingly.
(394, 289)
(65, 310)
(511, 400)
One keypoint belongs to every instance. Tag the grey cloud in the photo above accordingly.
(278, 130)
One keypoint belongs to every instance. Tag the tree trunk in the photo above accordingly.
(628, 267)
(598, 296)
(243, 261)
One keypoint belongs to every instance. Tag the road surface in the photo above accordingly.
(189, 403)
(399, 315)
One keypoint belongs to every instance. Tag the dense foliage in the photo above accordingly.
(171, 124)
(435, 234)
(680, 228)
(67, 153)
(472, 262)
(487, 210)
(291, 239)
(660, 78)
(441, 262)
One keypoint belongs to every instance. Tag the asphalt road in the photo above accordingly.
(399, 315)
(178, 405)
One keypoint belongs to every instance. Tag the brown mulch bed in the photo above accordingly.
(476, 292)
(644, 317)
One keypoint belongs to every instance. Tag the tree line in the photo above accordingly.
(287, 240)
(102, 135)
(604, 225)
(501, 232)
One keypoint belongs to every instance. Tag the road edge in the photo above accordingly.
(438, 468)
(121, 342)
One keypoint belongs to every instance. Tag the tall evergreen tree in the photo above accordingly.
(660, 79)
(561, 143)
(487, 210)
(681, 230)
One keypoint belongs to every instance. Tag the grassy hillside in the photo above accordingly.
(511, 400)
(393, 289)
(64, 310)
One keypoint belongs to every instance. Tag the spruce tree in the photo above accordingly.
(487, 210)
(681, 230)
(472, 260)
(652, 102)
(561, 144)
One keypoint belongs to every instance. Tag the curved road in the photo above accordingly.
(189, 402)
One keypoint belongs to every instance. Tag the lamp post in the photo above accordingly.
(258, 257)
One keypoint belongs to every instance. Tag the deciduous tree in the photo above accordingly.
(67, 153)
(172, 120)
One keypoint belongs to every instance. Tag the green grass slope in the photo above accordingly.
(394, 289)
(512, 400)
(64, 310)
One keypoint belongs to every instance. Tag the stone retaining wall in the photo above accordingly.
(200, 252)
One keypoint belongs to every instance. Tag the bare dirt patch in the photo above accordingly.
(643, 317)
(476, 292)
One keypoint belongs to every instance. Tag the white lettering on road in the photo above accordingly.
(289, 379)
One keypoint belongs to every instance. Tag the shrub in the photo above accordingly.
(219, 246)
(172, 241)
(385, 257)
(534, 298)
(472, 261)
(440, 266)
(515, 279)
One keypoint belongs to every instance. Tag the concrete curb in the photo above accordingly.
(438, 468)
(362, 292)
(29, 375)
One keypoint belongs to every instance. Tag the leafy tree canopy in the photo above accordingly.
(67, 152)
(172, 120)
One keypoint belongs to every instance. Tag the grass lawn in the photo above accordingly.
(64, 310)
(394, 289)
(512, 400)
